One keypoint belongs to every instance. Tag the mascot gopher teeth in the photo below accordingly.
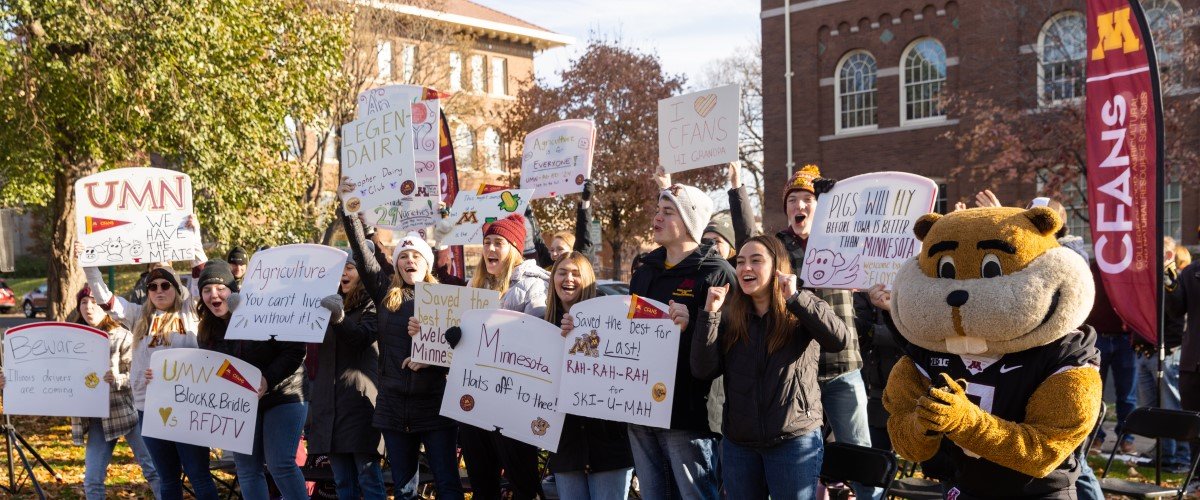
(1000, 384)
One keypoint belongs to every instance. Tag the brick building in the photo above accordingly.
(870, 76)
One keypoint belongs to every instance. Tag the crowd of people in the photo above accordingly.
(767, 370)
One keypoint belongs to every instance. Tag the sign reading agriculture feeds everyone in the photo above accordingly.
(134, 216)
(620, 361)
(699, 129)
(439, 307)
(416, 209)
(504, 376)
(56, 370)
(863, 230)
(282, 291)
(202, 397)
(557, 158)
(472, 210)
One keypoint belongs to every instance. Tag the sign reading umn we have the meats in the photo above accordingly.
(134, 216)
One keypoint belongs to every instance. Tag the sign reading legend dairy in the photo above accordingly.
(378, 161)
(282, 291)
(134, 216)
(417, 208)
(504, 376)
(439, 307)
(863, 230)
(619, 361)
(56, 370)
(699, 129)
(472, 210)
(202, 397)
(557, 158)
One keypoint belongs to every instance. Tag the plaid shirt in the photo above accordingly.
(121, 416)
(833, 364)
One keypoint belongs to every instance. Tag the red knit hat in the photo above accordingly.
(87, 292)
(511, 228)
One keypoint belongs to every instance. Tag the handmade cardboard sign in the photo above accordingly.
(134, 216)
(698, 129)
(472, 210)
(557, 158)
(202, 397)
(504, 376)
(378, 162)
(619, 361)
(415, 209)
(863, 230)
(282, 291)
(56, 370)
(439, 307)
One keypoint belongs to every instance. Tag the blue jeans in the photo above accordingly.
(358, 475)
(441, 452)
(99, 452)
(1116, 355)
(675, 463)
(276, 437)
(1087, 487)
(786, 470)
(599, 485)
(1173, 452)
(172, 460)
(845, 401)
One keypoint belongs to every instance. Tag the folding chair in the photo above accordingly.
(1153, 423)
(849, 463)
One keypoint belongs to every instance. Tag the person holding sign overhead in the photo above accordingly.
(281, 407)
(764, 335)
(410, 393)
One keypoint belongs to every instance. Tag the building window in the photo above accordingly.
(856, 92)
(499, 76)
(383, 58)
(464, 146)
(941, 206)
(1173, 210)
(923, 78)
(491, 149)
(478, 77)
(1073, 196)
(410, 62)
(455, 71)
(1062, 45)
(1163, 17)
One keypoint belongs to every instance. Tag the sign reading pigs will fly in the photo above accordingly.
(134, 216)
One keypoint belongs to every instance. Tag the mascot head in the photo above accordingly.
(990, 281)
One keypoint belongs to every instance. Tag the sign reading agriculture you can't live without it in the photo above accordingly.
(134, 216)
(282, 291)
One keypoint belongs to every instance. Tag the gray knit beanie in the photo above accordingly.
(694, 205)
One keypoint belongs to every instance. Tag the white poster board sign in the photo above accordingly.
(505, 376)
(472, 210)
(56, 370)
(378, 162)
(416, 205)
(699, 129)
(202, 397)
(134, 216)
(619, 361)
(557, 158)
(282, 291)
(439, 307)
(863, 230)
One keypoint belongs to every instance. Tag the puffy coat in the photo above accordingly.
(345, 386)
(527, 289)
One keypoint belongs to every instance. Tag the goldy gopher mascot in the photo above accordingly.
(1000, 386)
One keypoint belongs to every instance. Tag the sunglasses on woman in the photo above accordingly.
(153, 287)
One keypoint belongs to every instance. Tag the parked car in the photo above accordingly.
(35, 301)
(8, 300)
(610, 287)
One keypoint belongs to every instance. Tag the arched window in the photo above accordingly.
(1163, 17)
(922, 80)
(464, 146)
(856, 91)
(1062, 46)
(491, 149)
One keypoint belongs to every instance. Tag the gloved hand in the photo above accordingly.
(947, 409)
(233, 301)
(587, 190)
(453, 335)
(336, 310)
(441, 229)
(823, 185)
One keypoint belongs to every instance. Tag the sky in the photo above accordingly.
(686, 35)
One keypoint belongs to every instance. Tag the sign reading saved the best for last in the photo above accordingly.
(202, 397)
(134, 216)
(699, 129)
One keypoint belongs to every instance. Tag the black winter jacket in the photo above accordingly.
(281, 363)
(345, 386)
(1184, 300)
(685, 283)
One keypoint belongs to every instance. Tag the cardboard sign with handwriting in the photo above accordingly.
(202, 397)
(134, 216)
(557, 158)
(472, 210)
(282, 291)
(439, 307)
(699, 129)
(56, 370)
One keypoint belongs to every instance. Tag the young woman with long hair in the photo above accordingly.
(764, 335)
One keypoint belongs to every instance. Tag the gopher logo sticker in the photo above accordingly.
(539, 426)
(587, 344)
(659, 392)
(467, 403)
(579, 180)
(407, 188)
(91, 380)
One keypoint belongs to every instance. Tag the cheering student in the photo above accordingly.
(167, 320)
(681, 460)
(522, 286)
(237, 264)
(344, 390)
(410, 393)
(764, 338)
(593, 459)
(281, 404)
(565, 241)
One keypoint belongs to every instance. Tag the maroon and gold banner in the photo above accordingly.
(639, 308)
(452, 261)
(1124, 160)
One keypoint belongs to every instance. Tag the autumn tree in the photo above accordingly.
(744, 68)
(618, 88)
(198, 87)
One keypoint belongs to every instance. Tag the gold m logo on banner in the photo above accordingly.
(1115, 32)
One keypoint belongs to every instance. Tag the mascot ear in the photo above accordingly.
(1044, 219)
(924, 224)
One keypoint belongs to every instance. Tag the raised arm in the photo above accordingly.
(818, 320)
(359, 335)
(583, 221)
(120, 309)
(706, 351)
(373, 278)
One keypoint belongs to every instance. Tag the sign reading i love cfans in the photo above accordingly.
(699, 129)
